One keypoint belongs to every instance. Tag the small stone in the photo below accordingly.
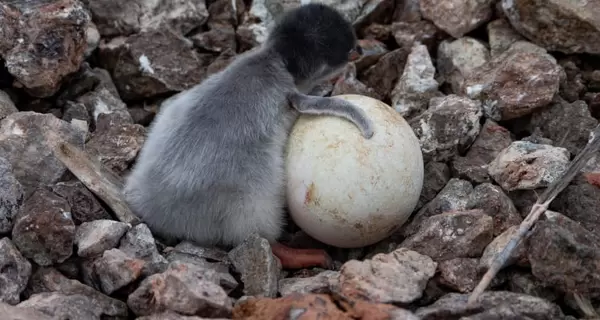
(138, 243)
(44, 231)
(577, 32)
(440, 133)
(39, 63)
(568, 124)
(258, 266)
(348, 84)
(20, 313)
(102, 102)
(26, 141)
(168, 315)
(92, 37)
(378, 32)
(72, 307)
(437, 175)
(492, 139)
(417, 85)
(457, 17)
(15, 271)
(11, 197)
(115, 270)
(580, 203)
(462, 234)
(373, 50)
(221, 22)
(565, 255)
(84, 205)
(7, 106)
(459, 274)
(526, 165)
(182, 288)
(397, 277)
(457, 59)
(407, 33)
(321, 283)
(519, 255)
(93, 238)
(383, 75)
(258, 19)
(496, 204)
(501, 36)
(525, 283)
(117, 146)
(515, 83)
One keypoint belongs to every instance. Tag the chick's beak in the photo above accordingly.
(355, 53)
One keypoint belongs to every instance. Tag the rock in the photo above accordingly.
(222, 19)
(492, 139)
(321, 283)
(50, 280)
(578, 31)
(417, 85)
(182, 288)
(11, 196)
(383, 75)
(440, 134)
(347, 83)
(117, 146)
(526, 165)
(377, 32)
(15, 313)
(26, 139)
(61, 306)
(258, 267)
(437, 175)
(519, 255)
(92, 37)
(397, 277)
(152, 62)
(525, 283)
(91, 80)
(568, 124)
(317, 306)
(459, 274)
(39, 63)
(496, 204)
(84, 205)
(453, 197)
(15, 271)
(505, 93)
(257, 20)
(495, 303)
(457, 17)
(44, 231)
(168, 315)
(101, 102)
(95, 237)
(449, 235)
(565, 255)
(501, 36)
(373, 50)
(457, 59)
(7, 106)
(406, 33)
(139, 243)
(580, 203)
(573, 86)
(115, 18)
(115, 270)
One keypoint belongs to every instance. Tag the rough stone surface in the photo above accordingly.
(580, 202)
(102, 103)
(495, 203)
(11, 196)
(578, 30)
(440, 133)
(406, 33)
(15, 271)
(139, 243)
(117, 146)
(93, 238)
(7, 106)
(515, 83)
(44, 231)
(183, 288)
(168, 315)
(43, 42)
(526, 283)
(20, 313)
(62, 306)
(115, 270)
(383, 75)
(457, 59)
(321, 283)
(501, 36)
(436, 177)
(26, 139)
(85, 207)
(462, 234)
(397, 277)
(258, 267)
(347, 83)
(457, 17)
(417, 85)
(526, 165)
(519, 255)
(459, 274)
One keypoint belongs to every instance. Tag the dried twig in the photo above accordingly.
(100, 180)
(538, 208)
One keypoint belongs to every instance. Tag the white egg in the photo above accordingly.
(345, 190)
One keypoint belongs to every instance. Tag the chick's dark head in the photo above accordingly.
(314, 40)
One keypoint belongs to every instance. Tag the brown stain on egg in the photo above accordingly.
(310, 193)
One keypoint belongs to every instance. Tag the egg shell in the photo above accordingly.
(348, 191)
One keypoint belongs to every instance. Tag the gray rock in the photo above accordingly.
(457, 17)
(526, 283)
(459, 274)
(7, 106)
(15, 271)
(62, 306)
(383, 75)
(397, 277)
(406, 33)
(19, 313)
(139, 243)
(495, 203)
(457, 59)
(44, 231)
(84, 205)
(11, 196)
(168, 315)
(321, 283)
(519, 255)
(103, 102)
(501, 36)
(258, 267)
(580, 203)
(347, 83)
(95, 237)
(526, 165)
(437, 175)
(115, 270)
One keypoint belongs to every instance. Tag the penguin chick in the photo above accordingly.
(212, 168)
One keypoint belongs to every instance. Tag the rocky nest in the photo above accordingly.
(502, 95)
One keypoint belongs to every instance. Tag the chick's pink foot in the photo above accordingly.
(292, 258)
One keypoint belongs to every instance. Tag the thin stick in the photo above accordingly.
(538, 208)
(96, 177)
